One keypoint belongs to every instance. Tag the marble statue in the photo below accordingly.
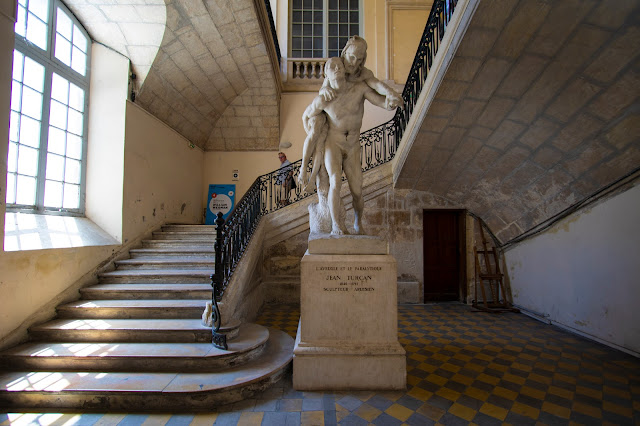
(332, 122)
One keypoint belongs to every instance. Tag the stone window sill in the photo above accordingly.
(24, 231)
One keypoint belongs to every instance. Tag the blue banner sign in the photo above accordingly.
(221, 198)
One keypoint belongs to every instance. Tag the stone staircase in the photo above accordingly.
(135, 340)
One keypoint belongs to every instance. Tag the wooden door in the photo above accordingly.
(442, 254)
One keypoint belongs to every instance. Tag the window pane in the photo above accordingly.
(53, 194)
(333, 30)
(26, 190)
(33, 74)
(71, 196)
(333, 4)
(57, 139)
(79, 61)
(31, 103)
(307, 30)
(354, 29)
(74, 147)
(333, 17)
(317, 43)
(344, 4)
(296, 29)
(296, 16)
(344, 17)
(353, 4)
(64, 25)
(307, 16)
(16, 95)
(307, 4)
(76, 97)
(30, 132)
(11, 188)
(37, 32)
(296, 43)
(12, 158)
(40, 8)
(18, 58)
(306, 43)
(75, 122)
(354, 17)
(72, 171)
(60, 89)
(21, 22)
(55, 167)
(79, 40)
(344, 30)
(58, 115)
(63, 50)
(14, 125)
(27, 161)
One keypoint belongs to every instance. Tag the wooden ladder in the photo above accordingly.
(488, 275)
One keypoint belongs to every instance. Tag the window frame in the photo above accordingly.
(325, 29)
(51, 64)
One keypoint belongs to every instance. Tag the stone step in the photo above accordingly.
(178, 244)
(162, 252)
(192, 276)
(129, 391)
(147, 291)
(108, 356)
(129, 309)
(206, 229)
(128, 330)
(174, 262)
(185, 236)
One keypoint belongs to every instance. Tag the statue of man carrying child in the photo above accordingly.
(332, 122)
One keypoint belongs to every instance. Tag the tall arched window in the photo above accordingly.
(320, 28)
(49, 102)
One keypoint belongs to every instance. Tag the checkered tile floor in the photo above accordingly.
(463, 367)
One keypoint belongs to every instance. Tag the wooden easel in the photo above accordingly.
(488, 274)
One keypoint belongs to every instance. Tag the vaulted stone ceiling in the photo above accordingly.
(538, 110)
(201, 65)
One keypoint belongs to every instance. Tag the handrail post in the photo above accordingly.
(219, 340)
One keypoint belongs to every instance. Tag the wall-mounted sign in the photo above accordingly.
(221, 198)
(235, 175)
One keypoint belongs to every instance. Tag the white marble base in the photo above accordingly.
(348, 333)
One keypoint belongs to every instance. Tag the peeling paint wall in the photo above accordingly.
(584, 272)
(162, 175)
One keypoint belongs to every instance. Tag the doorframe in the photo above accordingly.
(462, 215)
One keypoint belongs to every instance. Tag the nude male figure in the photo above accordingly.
(341, 146)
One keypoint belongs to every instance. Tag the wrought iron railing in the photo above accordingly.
(378, 146)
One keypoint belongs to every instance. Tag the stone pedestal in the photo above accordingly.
(348, 332)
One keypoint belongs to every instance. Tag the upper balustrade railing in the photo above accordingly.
(378, 146)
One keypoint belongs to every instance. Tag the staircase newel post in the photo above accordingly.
(219, 340)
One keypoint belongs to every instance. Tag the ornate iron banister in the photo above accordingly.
(378, 144)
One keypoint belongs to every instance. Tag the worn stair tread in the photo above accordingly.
(146, 287)
(203, 248)
(277, 355)
(122, 324)
(141, 303)
(154, 272)
(249, 337)
(195, 261)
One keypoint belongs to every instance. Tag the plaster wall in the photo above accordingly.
(163, 176)
(105, 154)
(583, 273)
